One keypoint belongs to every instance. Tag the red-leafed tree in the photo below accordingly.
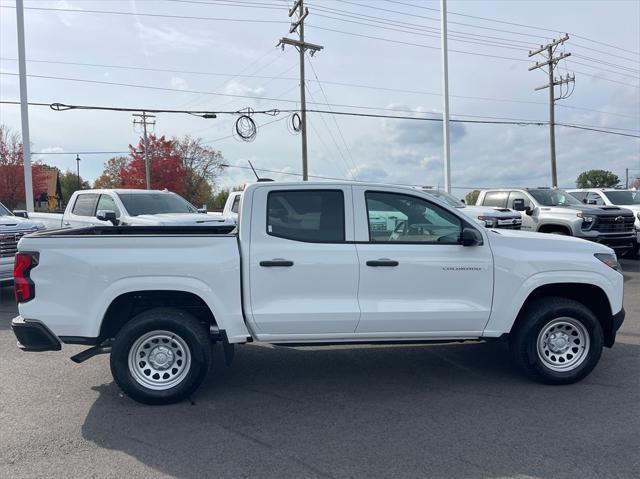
(12, 171)
(167, 168)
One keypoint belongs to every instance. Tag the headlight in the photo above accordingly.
(488, 221)
(586, 218)
(610, 260)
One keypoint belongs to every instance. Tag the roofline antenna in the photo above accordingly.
(255, 173)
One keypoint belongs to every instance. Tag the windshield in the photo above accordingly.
(554, 198)
(155, 203)
(623, 197)
(446, 197)
(4, 211)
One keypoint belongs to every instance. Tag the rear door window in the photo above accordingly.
(85, 205)
(315, 216)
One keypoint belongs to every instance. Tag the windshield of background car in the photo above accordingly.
(4, 211)
(554, 198)
(623, 197)
(155, 203)
(446, 197)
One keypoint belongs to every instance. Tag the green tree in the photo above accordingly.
(217, 200)
(69, 184)
(597, 179)
(471, 197)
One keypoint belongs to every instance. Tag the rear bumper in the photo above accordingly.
(34, 336)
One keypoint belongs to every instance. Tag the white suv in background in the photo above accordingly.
(629, 199)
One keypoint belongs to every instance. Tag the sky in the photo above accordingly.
(380, 57)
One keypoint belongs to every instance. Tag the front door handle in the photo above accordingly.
(276, 263)
(382, 262)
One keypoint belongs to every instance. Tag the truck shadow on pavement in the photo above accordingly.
(424, 411)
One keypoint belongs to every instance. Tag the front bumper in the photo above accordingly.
(34, 336)
(6, 271)
(616, 322)
(618, 242)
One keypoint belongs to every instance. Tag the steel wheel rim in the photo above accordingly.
(563, 344)
(159, 360)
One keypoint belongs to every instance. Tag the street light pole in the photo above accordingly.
(24, 107)
(78, 162)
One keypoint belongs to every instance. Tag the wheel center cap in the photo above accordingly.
(558, 342)
(161, 357)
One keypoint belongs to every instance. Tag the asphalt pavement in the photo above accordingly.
(459, 410)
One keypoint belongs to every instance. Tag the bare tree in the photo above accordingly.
(203, 166)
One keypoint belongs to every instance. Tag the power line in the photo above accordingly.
(275, 112)
(326, 82)
(335, 121)
(156, 15)
(504, 22)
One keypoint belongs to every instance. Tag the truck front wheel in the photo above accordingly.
(161, 356)
(557, 341)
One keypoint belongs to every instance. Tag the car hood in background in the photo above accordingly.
(492, 211)
(16, 223)
(181, 219)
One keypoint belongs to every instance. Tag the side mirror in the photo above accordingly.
(528, 211)
(463, 201)
(107, 215)
(21, 213)
(471, 237)
(584, 200)
(202, 210)
(592, 202)
(518, 204)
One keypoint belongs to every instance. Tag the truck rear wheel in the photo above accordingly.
(161, 356)
(557, 341)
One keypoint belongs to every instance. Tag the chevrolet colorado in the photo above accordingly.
(306, 268)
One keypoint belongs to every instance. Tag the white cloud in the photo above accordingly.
(179, 83)
(237, 88)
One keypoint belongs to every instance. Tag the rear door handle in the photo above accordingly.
(382, 262)
(276, 263)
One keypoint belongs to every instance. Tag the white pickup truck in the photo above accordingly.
(128, 208)
(305, 268)
(12, 228)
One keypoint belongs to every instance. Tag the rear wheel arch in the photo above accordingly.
(591, 296)
(128, 305)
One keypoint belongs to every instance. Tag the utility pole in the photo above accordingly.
(445, 95)
(302, 13)
(78, 162)
(626, 178)
(144, 122)
(24, 108)
(551, 63)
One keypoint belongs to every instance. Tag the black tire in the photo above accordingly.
(543, 314)
(192, 338)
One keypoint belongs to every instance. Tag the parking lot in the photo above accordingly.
(436, 411)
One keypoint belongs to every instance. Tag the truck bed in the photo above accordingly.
(81, 271)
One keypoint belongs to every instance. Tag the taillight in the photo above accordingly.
(23, 286)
